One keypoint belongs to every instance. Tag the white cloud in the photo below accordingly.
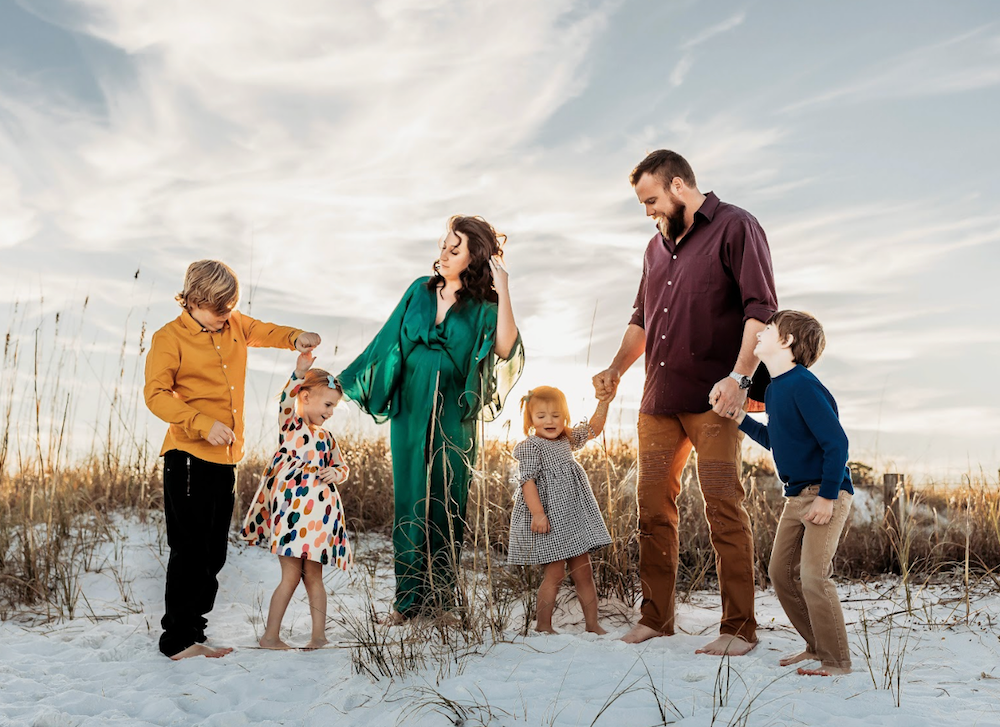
(684, 65)
(18, 222)
(734, 21)
(962, 63)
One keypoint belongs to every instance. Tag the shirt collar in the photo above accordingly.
(192, 326)
(706, 211)
(708, 207)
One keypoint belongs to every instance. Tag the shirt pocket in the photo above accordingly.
(702, 274)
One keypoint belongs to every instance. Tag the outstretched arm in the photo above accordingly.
(632, 347)
(600, 417)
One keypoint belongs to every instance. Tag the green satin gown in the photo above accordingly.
(433, 383)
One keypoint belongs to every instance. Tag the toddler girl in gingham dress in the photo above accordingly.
(556, 521)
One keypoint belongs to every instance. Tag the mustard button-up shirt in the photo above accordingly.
(195, 377)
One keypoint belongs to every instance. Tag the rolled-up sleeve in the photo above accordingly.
(529, 461)
(639, 316)
(750, 262)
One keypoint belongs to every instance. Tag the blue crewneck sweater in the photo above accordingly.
(804, 434)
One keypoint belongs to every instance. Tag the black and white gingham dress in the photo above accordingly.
(575, 520)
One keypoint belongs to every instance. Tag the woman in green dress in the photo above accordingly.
(446, 359)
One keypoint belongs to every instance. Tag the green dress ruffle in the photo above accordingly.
(434, 383)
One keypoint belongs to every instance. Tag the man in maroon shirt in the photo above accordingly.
(707, 287)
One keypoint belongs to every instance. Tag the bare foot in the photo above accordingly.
(728, 645)
(596, 629)
(549, 630)
(393, 618)
(796, 658)
(640, 633)
(315, 643)
(269, 643)
(826, 671)
(201, 650)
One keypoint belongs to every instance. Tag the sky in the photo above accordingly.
(319, 146)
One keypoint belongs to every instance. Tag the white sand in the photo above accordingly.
(103, 668)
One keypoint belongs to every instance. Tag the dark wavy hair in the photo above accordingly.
(484, 242)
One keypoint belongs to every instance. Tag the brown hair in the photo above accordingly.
(548, 394)
(484, 243)
(209, 284)
(808, 339)
(318, 379)
(665, 165)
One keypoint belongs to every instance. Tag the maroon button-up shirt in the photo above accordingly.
(693, 300)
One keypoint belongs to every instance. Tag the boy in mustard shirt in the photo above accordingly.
(195, 376)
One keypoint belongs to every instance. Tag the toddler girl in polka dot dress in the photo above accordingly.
(297, 513)
(556, 521)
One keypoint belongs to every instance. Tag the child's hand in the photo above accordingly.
(820, 511)
(334, 475)
(540, 523)
(220, 435)
(303, 363)
(737, 416)
(306, 342)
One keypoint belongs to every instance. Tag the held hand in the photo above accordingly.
(333, 475)
(820, 511)
(303, 363)
(306, 342)
(540, 523)
(727, 398)
(220, 435)
(606, 384)
(499, 272)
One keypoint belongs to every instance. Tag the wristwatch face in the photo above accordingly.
(744, 382)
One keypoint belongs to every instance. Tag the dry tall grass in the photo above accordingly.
(53, 512)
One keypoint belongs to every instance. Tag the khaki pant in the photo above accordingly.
(801, 566)
(664, 445)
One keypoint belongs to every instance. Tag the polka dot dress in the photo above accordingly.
(294, 513)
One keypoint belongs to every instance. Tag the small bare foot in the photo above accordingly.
(393, 618)
(596, 629)
(640, 633)
(315, 643)
(796, 658)
(273, 643)
(549, 630)
(825, 671)
(201, 650)
(728, 645)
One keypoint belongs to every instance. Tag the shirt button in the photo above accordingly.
(661, 363)
(233, 388)
(670, 282)
(664, 336)
(664, 310)
(219, 348)
(234, 411)
(224, 366)
(675, 257)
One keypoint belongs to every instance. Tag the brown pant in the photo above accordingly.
(801, 566)
(664, 445)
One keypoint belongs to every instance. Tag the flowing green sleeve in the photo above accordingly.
(490, 377)
(371, 379)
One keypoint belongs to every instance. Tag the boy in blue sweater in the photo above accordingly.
(810, 450)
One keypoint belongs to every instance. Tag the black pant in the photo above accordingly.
(198, 499)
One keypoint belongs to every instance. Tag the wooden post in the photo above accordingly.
(893, 493)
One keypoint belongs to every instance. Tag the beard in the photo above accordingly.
(672, 226)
